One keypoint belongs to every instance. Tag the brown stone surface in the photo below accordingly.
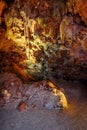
(2, 8)
(43, 94)
(80, 7)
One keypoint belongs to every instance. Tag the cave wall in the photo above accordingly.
(46, 38)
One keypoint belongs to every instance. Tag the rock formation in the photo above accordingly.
(46, 38)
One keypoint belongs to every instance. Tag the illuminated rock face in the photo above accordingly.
(34, 19)
(34, 25)
(54, 40)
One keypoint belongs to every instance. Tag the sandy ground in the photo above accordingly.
(74, 118)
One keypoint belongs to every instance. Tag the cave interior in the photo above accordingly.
(43, 60)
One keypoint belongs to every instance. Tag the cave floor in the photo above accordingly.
(74, 118)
